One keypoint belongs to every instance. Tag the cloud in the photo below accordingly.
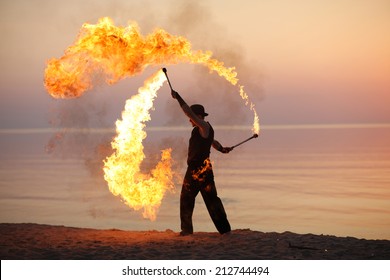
(195, 21)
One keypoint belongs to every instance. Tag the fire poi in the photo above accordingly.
(116, 52)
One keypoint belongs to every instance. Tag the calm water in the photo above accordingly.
(322, 180)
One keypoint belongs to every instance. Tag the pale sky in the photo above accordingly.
(302, 62)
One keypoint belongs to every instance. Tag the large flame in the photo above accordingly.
(110, 53)
(122, 168)
(119, 52)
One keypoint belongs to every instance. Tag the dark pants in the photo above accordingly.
(206, 186)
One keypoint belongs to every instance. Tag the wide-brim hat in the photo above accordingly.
(198, 110)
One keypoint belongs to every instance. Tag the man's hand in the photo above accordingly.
(220, 148)
(226, 150)
(174, 94)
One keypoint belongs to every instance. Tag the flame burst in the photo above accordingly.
(122, 169)
(111, 52)
(107, 52)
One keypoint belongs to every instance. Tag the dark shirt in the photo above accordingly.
(199, 147)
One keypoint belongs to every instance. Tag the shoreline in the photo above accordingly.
(29, 241)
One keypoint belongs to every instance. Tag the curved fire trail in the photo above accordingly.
(106, 51)
(122, 168)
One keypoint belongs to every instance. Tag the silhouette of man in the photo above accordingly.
(199, 176)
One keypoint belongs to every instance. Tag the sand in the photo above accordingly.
(48, 242)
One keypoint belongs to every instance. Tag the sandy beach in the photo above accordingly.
(47, 242)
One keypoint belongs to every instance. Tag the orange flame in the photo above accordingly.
(110, 53)
(122, 168)
(197, 174)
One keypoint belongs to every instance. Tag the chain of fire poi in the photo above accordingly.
(109, 52)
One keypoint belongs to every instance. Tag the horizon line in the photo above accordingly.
(185, 128)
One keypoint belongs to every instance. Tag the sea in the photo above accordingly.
(330, 179)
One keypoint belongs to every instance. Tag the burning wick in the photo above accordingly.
(166, 75)
(253, 136)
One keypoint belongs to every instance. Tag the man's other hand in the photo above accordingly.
(226, 150)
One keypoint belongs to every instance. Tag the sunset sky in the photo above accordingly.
(302, 62)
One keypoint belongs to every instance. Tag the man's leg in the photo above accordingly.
(187, 204)
(215, 207)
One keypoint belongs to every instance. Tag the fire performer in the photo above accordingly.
(199, 176)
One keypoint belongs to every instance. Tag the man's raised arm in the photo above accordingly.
(204, 127)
